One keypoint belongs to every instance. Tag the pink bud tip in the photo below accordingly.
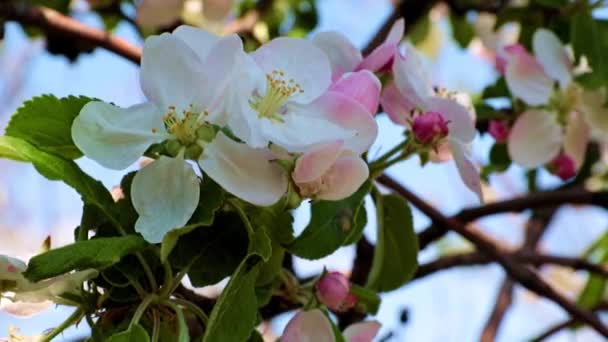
(430, 127)
(500, 63)
(563, 166)
(499, 130)
(333, 290)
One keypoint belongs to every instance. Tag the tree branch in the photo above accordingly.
(519, 273)
(53, 22)
(566, 324)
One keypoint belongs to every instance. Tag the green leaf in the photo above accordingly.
(594, 290)
(461, 30)
(499, 157)
(46, 122)
(95, 253)
(234, 316)
(367, 300)
(57, 168)
(589, 38)
(498, 89)
(420, 30)
(395, 256)
(182, 326)
(330, 225)
(135, 333)
(360, 223)
(551, 3)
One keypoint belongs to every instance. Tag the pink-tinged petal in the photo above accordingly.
(351, 116)
(526, 78)
(535, 138)
(314, 163)
(344, 178)
(466, 168)
(11, 268)
(362, 332)
(411, 77)
(247, 173)
(551, 54)
(576, 138)
(385, 53)
(172, 79)
(308, 326)
(116, 137)
(25, 309)
(300, 60)
(343, 55)
(200, 41)
(396, 106)
(460, 123)
(362, 86)
(595, 111)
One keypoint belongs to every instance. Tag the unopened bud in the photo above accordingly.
(430, 127)
(333, 290)
(563, 166)
(172, 147)
(499, 130)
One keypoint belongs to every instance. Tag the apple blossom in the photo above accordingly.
(499, 130)
(430, 128)
(186, 90)
(411, 94)
(314, 326)
(563, 166)
(329, 172)
(333, 290)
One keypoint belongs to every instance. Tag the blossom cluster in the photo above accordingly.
(292, 117)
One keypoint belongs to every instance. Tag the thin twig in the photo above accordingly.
(566, 324)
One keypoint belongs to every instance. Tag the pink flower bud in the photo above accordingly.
(499, 130)
(430, 127)
(563, 166)
(333, 290)
(500, 63)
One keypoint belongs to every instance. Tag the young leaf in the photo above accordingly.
(136, 333)
(461, 30)
(95, 253)
(395, 256)
(46, 122)
(330, 225)
(589, 38)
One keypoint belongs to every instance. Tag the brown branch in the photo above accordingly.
(519, 273)
(53, 22)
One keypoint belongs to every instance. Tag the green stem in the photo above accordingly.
(168, 282)
(390, 153)
(178, 278)
(237, 206)
(141, 309)
(193, 308)
(135, 283)
(156, 327)
(74, 317)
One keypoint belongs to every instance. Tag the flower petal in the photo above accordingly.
(314, 163)
(200, 41)
(362, 332)
(165, 194)
(526, 78)
(351, 116)
(551, 54)
(411, 78)
(308, 326)
(11, 268)
(525, 147)
(362, 86)
(344, 178)
(175, 78)
(385, 52)
(459, 120)
(396, 106)
(25, 309)
(245, 172)
(52, 289)
(467, 170)
(116, 137)
(343, 55)
(595, 111)
(301, 61)
(576, 138)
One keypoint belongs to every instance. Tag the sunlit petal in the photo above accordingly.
(535, 138)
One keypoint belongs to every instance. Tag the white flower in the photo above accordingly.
(185, 76)
(314, 326)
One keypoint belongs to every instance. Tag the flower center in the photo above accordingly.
(183, 126)
(278, 91)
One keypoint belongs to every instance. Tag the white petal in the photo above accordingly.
(314, 163)
(53, 288)
(343, 55)
(467, 170)
(25, 309)
(301, 61)
(172, 74)
(11, 268)
(302, 128)
(344, 178)
(411, 77)
(308, 326)
(247, 173)
(551, 54)
(535, 138)
(527, 80)
(396, 33)
(594, 110)
(165, 194)
(362, 332)
(200, 41)
(576, 138)
(459, 119)
(396, 106)
(116, 137)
